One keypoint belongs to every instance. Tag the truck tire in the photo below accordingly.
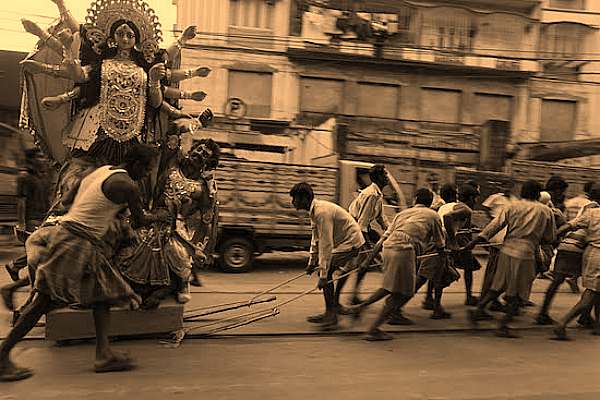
(236, 255)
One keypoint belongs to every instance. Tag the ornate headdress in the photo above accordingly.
(104, 13)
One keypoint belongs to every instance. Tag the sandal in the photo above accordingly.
(440, 314)
(329, 322)
(15, 374)
(377, 335)
(506, 333)
(561, 333)
(399, 319)
(114, 364)
(471, 301)
(316, 319)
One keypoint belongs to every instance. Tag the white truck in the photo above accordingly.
(255, 210)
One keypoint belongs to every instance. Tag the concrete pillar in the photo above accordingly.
(521, 105)
(535, 120)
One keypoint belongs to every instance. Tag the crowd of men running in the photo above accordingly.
(428, 242)
(425, 243)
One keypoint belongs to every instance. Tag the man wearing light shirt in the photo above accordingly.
(494, 205)
(335, 244)
(407, 237)
(367, 208)
(528, 223)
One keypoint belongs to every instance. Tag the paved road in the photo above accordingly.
(221, 288)
(285, 357)
(414, 366)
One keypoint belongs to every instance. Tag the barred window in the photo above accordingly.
(447, 28)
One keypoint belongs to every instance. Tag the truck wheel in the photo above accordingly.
(236, 255)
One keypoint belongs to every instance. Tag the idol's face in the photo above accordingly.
(124, 37)
(173, 142)
(201, 153)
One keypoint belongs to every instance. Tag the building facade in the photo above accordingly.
(423, 87)
(564, 96)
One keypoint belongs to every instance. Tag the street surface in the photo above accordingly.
(413, 366)
(283, 357)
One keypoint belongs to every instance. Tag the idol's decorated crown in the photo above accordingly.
(104, 13)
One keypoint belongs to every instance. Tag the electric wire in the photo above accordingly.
(270, 39)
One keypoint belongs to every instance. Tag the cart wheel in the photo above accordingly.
(236, 255)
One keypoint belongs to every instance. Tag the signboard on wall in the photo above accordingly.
(235, 108)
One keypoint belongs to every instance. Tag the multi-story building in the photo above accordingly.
(420, 86)
(565, 95)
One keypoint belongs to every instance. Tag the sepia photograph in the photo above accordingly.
(300, 199)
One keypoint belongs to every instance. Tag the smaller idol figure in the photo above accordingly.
(161, 258)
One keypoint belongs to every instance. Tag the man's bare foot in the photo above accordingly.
(134, 302)
(113, 362)
(377, 335)
(560, 333)
(184, 294)
(9, 372)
